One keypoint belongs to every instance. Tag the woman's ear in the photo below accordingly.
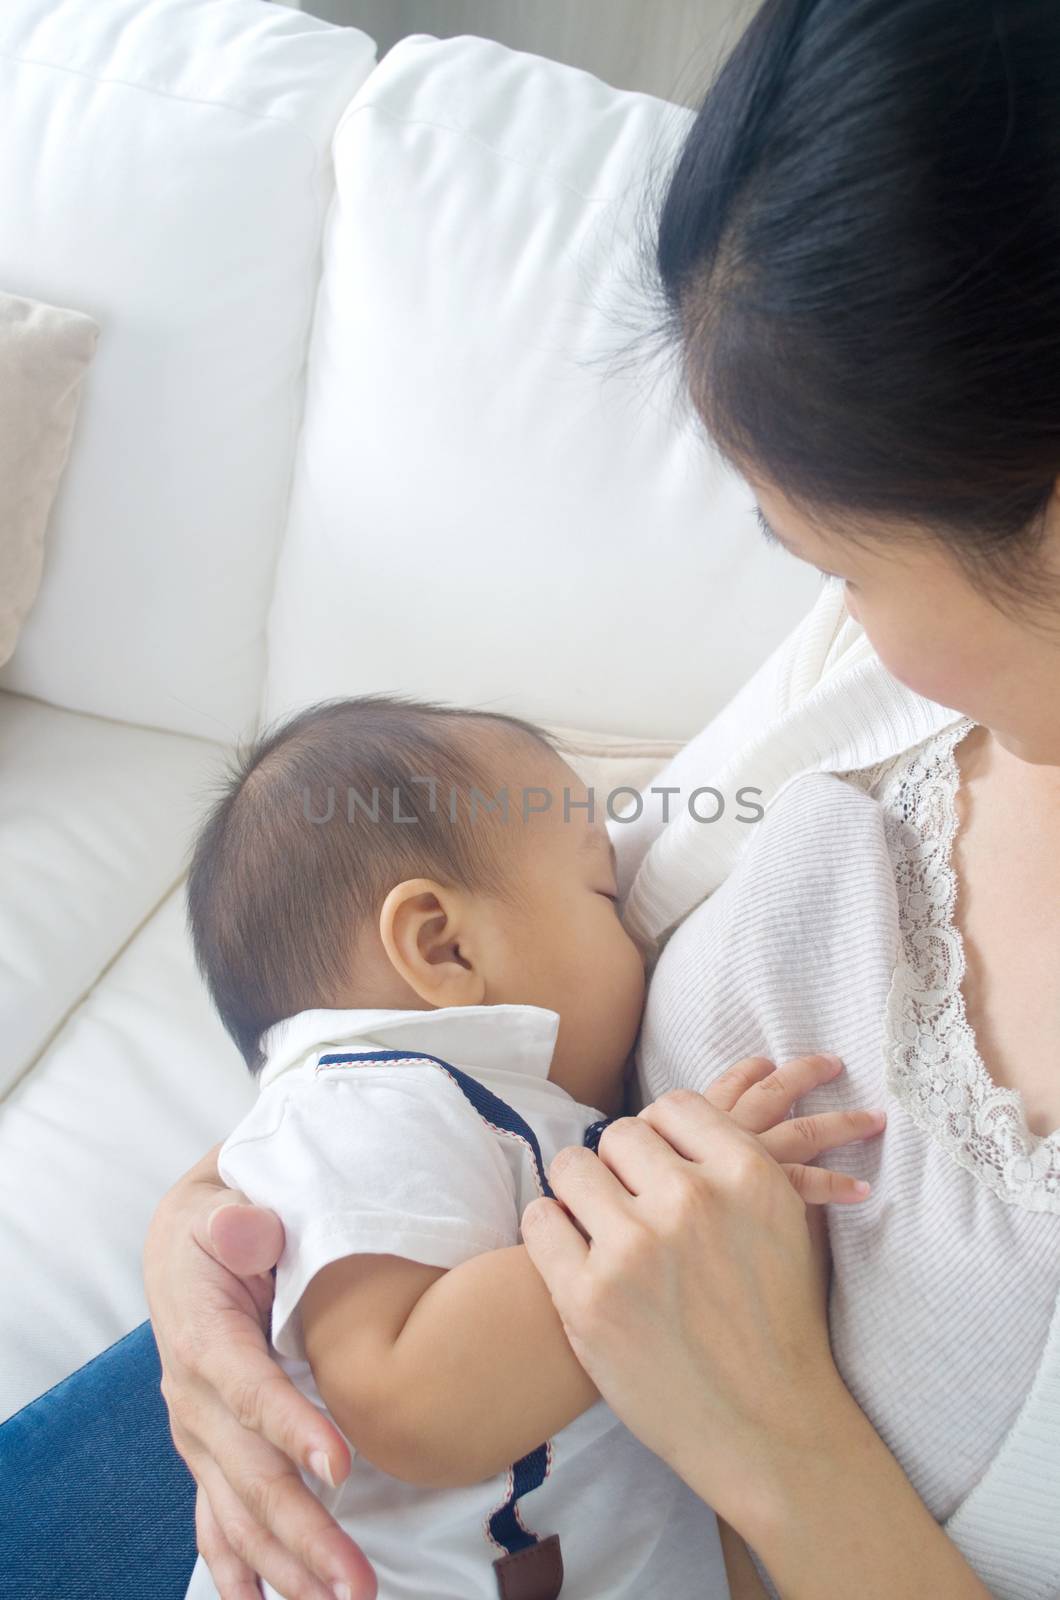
(425, 930)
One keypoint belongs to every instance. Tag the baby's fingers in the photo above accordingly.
(801, 1139)
(768, 1097)
(818, 1186)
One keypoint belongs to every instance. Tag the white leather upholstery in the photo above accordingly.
(481, 511)
(165, 166)
(94, 821)
(140, 1081)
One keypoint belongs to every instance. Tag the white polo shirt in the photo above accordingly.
(435, 1160)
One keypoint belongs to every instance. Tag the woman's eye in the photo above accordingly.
(833, 577)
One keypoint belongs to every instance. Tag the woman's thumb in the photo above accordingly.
(246, 1239)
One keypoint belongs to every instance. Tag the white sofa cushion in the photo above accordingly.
(94, 823)
(166, 168)
(44, 354)
(138, 1084)
(481, 511)
(610, 764)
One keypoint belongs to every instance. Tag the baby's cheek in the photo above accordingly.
(629, 1001)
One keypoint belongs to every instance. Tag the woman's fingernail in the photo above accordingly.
(209, 1225)
(835, 1061)
(320, 1466)
(342, 1591)
(861, 1188)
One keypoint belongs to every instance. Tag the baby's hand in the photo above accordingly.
(759, 1095)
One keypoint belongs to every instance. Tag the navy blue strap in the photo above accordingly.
(595, 1132)
(529, 1473)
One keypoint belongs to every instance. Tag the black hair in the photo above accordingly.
(307, 839)
(856, 259)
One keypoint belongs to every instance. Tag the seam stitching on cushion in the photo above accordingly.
(354, 110)
(54, 1033)
(168, 94)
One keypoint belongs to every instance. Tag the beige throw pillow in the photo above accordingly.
(44, 354)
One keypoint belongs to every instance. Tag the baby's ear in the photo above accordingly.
(425, 929)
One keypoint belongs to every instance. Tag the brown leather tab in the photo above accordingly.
(532, 1574)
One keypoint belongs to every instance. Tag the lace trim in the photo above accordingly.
(933, 1064)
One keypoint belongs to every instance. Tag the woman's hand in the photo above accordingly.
(696, 1307)
(695, 1303)
(237, 1420)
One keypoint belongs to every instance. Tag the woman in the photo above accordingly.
(859, 256)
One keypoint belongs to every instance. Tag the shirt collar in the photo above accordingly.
(505, 1038)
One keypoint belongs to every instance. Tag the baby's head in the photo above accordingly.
(353, 861)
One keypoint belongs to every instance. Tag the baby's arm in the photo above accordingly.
(442, 1377)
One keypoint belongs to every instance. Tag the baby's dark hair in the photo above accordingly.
(303, 846)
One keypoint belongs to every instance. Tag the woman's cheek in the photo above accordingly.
(920, 661)
(933, 679)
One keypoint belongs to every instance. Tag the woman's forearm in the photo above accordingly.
(842, 1518)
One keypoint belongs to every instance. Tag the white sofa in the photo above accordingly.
(356, 422)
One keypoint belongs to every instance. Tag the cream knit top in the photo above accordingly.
(829, 925)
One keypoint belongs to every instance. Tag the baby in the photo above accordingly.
(406, 917)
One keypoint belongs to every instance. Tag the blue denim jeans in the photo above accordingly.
(95, 1503)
